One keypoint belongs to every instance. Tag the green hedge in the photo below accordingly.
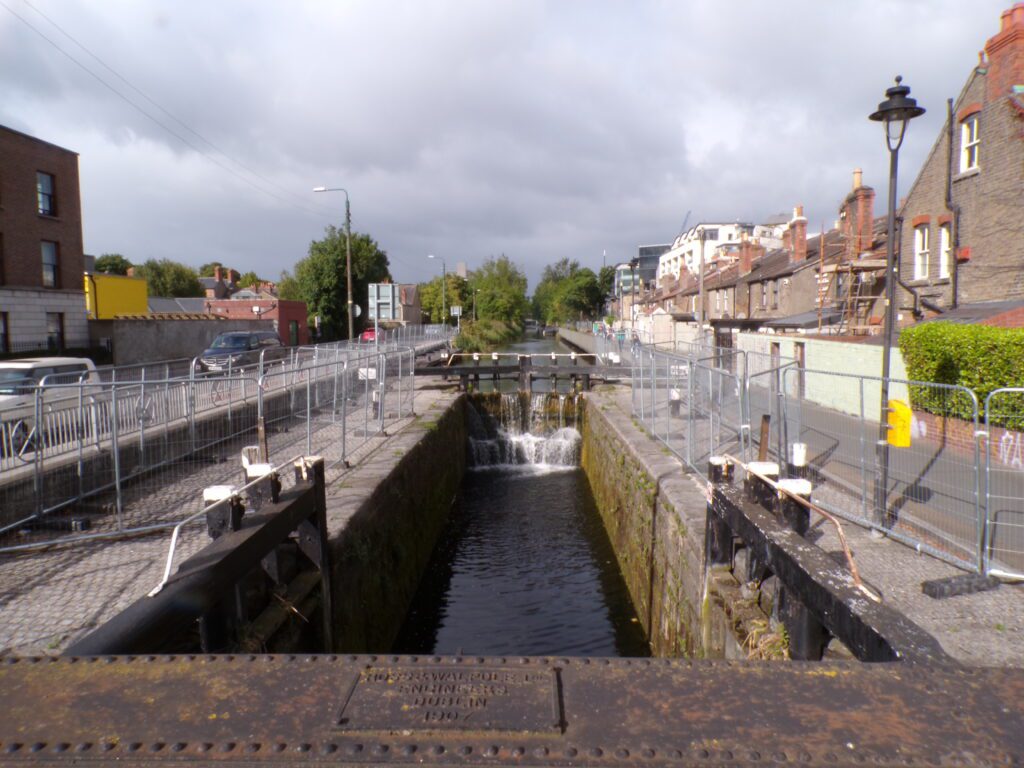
(977, 357)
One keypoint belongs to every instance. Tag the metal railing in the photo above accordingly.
(956, 493)
(124, 454)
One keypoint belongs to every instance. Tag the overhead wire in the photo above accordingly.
(161, 124)
(154, 119)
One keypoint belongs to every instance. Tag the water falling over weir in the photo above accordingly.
(524, 565)
(529, 430)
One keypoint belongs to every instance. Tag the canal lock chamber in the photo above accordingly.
(523, 565)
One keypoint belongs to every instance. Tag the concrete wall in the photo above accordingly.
(837, 372)
(144, 341)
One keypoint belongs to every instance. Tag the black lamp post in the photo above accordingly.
(896, 111)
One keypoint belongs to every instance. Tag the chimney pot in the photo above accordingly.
(858, 178)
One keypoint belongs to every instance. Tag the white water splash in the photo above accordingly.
(506, 445)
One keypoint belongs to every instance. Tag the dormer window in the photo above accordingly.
(969, 141)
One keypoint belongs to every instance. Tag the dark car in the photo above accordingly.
(241, 349)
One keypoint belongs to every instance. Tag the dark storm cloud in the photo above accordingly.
(470, 129)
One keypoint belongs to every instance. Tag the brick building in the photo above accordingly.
(962, 239)
(289, 317)
(42, 304)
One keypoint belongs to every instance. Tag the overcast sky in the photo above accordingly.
(469, 129)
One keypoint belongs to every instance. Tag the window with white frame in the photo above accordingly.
(764, 295)
(969, 141)
(921, 252)
(718, 301)
(945, 250)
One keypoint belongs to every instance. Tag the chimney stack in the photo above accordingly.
(750, 251)
(798, 238)
(1005, 52)
(216, 273)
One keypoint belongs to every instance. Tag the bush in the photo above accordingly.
(485, 335)
(977, 357)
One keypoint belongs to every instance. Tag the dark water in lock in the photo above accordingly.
(524, 567)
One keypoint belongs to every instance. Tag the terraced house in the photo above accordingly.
(962, 240)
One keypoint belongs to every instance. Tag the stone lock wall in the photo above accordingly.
(383, 530)
(654, 514)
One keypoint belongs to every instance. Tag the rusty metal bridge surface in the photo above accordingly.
(372, 710)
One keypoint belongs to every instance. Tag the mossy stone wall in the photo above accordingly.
(381, 543)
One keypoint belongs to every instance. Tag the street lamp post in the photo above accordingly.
(896, 111)
(444, 287)
(474, 303)
(348, 253)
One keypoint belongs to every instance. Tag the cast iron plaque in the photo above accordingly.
(397, 698)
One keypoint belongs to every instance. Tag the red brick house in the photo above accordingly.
(42, 304)
(962, 239)
(289, 317)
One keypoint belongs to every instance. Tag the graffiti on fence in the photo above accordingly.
(1011, 450)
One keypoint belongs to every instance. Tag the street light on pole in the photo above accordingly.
(348, 253)
(475, 292)
(444, 287)
(896, 111)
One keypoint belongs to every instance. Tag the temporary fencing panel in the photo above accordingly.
(1004, 471)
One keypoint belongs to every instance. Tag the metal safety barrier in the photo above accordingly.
(126, 453)
(956, 492)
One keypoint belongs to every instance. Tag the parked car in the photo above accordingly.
(19, 380)
(369, 335)
(241, 349)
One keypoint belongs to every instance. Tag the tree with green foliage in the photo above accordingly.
(567, 292)
(249, 279)
(456, 294)
(169, 278)
(320, 281)
(606, 281)
(112, 264)
(499, 287)
(209, 269)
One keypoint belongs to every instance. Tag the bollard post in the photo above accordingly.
(798, 460)
(717, 534)
(755, 489)
(796, 515)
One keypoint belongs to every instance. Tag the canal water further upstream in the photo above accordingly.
(524, 566)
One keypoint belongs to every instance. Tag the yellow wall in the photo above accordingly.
(117, 295)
